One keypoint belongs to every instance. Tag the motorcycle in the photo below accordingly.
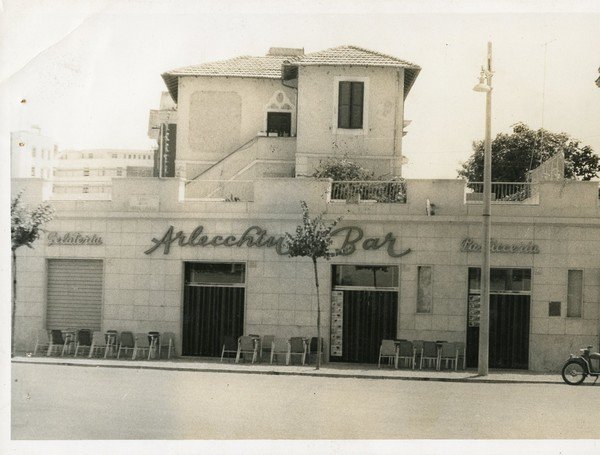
(578, 367)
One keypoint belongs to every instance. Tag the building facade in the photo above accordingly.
(202, 254)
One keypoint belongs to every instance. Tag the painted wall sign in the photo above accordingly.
(257, 237)
(73, 238)
(468, 245)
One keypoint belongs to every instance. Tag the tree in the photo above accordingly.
(26, 227)
(313, 240)
(513, 155)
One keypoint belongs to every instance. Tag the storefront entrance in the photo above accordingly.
(213, 306)
(510, 301)
(364, 311)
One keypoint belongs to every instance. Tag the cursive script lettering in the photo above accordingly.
(468, 245)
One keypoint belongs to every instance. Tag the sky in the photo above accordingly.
(90, 70)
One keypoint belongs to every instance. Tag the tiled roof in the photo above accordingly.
(351, 55)
(272, 66)
(245, 66)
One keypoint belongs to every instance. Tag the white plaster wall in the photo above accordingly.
(318, 136)
(216, 115)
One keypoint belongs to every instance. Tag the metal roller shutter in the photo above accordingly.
(74, 294)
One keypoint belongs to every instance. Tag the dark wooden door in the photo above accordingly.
(509, 333)
(209, 314)
(368, 318)
(279, 122)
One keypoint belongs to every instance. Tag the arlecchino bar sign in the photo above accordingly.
(256, 237)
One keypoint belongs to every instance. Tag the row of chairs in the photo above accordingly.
(100, 344)
(257, 347)
(432, 354)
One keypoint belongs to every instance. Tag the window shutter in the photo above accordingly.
(344, 104)
(356, 119)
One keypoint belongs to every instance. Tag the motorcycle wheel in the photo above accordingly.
(573, 373)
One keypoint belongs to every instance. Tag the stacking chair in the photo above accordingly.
(167, 340)
(313, 347)
(84, 340)
(266, 346)
(42, 341)
(229, 346)
(418, 347)
(429, 355)
(448, 354)
(279, 346)
(126, 343)
(406, 352)
(247, 345)
(141, 346)
(98, 343)
(461, 354)
(112, 342)
(154, 340)
(57, 342)
(296, 346)
(388, 351)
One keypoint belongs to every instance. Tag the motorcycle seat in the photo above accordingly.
(594, 355)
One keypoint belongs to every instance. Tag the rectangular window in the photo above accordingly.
(33, 152)
(425, 289)
(350, 105)
(119, 171)
(574, 293)
(114, 155)
(204, 273)
(86, 189)
(90, 155)
(33, 171)
(86, 172)
(369, 276)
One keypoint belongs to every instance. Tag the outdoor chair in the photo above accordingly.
(279, 346)
(42, 341)
(313, 347)
(247, 345)
(84, 341)
(461, 354)
(406, 352)
(127, 343)
(418, 347)
(229, 347)
(98, 343)
(389, 351)
(266, 346)
(57, 342)
(112, 342)
(296, 346)
(167, 340)
(429, 355)
(448, 355)
(141, 346)
(154, 340)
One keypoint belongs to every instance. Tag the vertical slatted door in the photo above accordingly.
(74, 294)
(509, 331)
(209, 314)
(369, 317)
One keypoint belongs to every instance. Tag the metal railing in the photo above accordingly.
(220, 190)
(391, 191)
(524, 192)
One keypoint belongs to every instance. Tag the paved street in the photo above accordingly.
(72, 402)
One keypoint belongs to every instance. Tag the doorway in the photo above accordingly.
(280, 123)
(510, 302)
(213, 306)
(364, 311)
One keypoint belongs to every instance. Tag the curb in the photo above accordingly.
(470, 380)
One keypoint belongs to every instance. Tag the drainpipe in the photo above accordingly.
(398, 128)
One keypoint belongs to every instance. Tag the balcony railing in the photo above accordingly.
(391, 191)
(220, 190)
(521, 192)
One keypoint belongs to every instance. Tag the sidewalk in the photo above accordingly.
(331, 370)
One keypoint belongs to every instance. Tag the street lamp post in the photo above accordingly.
(485, 85)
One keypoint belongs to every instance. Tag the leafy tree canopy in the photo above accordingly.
(513, 155)
(312, 238)
(26, 223)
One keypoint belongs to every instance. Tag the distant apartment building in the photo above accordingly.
(32, 154)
